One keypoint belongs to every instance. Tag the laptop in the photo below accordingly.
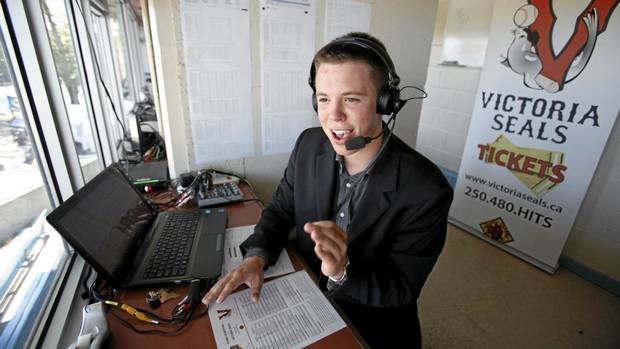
(130, 243)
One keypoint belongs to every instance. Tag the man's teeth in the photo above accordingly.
(341, 133)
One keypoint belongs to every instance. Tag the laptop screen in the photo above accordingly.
(104, 220)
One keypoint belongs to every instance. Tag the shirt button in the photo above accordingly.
(348, 185)
(341, 214)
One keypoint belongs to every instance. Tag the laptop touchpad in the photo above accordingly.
(209, 254)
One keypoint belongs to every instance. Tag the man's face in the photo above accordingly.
(347, 102)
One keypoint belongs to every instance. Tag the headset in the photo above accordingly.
(388, 99)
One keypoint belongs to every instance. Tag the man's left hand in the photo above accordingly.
(330, 246)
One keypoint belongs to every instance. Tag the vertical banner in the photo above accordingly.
(546, 103)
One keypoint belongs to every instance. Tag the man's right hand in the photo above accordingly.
(250, 272)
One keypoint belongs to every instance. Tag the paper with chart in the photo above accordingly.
(345, 16)
(216, 44)
(291, 313)
(233, 257)
(287, 31)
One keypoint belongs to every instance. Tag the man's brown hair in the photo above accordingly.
(339, 51)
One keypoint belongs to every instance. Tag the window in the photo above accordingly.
(105, 60)
(30, 254)
(121, 53)
(57, 131)
(70, 78)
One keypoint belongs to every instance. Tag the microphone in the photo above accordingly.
(359, 142)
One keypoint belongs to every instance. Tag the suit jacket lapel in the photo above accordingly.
(383, 179)
(325, 176)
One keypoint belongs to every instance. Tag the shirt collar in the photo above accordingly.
(340, 159)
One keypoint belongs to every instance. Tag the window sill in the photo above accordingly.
(64, 312)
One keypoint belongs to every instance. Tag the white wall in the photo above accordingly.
(405, 26)
(446, 113)
(447, 110)
(595, 239)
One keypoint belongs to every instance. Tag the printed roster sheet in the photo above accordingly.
(291, 312)
(233, 257)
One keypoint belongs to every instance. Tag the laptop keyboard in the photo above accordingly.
(174, 246)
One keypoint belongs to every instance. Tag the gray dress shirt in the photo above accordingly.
(349, 193)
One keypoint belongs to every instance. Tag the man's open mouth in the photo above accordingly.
(341, 134)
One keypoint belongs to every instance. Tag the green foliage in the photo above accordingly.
(5, 75)
(64, 54)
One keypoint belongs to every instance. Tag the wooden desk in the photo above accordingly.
(198, 333)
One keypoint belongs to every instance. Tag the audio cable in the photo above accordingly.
(132, 311)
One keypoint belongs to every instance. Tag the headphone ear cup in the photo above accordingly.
(396, 103)
(388, 100)
(314, 104)
(384, 101)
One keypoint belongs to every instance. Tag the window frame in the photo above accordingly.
(114, 86)
(125, 28)
(82, 29)
(36, 81)
(130, 24)
(28, 72)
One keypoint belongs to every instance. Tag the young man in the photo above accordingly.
(370, 219)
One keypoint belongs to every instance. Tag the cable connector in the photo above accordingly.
(185, 307)
(132, 311)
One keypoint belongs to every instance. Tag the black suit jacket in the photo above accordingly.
(396, 233)
(394, 238)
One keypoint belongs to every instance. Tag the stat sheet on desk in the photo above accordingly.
(291, 312)
(233, 257)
